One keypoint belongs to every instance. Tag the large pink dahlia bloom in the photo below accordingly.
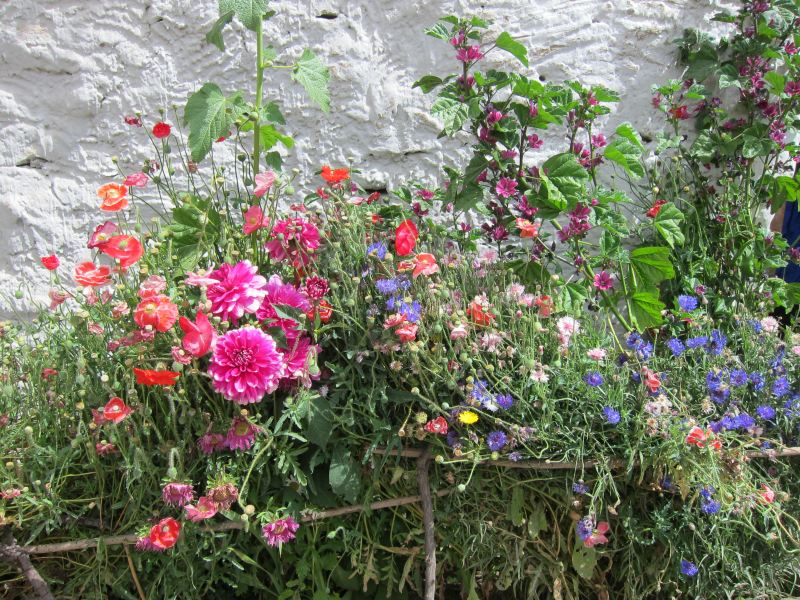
(239, 290)
(246, 365)
(281, 295)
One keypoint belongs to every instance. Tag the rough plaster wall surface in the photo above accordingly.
(71, 69)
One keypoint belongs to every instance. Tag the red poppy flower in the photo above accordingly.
(156, 310)
(323, 309)
(148, 377)
(47, 373)
(406, 236)
(478, 315)
(88, 274)
(113, 196)
(161, 130)
(50, 262)
(656, 208)
(125, 248)
(116, 410)
(336, 175)
(373, 197)
(165, 533)
(437, 425)
(198, 335)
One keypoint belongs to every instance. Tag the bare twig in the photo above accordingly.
(133, 573)
(423, 466)
(12, 553)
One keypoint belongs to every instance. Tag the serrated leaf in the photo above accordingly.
(537, 520)
(703, 148)
(626, 150)
(320, 421)
(652, 264)
(453, 113)
(272, 112)
(627, 131)
(343, 475)
(209, 115)
(249, 12)
(314, 77)
(567, 175)
(427, 83)
(214, 35)
(506, 42)
(439, 31)
(271, 136)
(529, 272)
(572, 297)
(756, 146)
(668, 223)
(646, 310)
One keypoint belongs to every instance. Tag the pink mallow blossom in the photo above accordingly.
(264, 181)
(603, 281)
(506, 187)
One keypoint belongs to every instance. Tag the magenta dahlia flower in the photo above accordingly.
(280, 531)
(176, 493)
(246, 365)
(281, 294)
(295, 239)
(300, 359)
(242, 434)
(204, 509)
(239, 290)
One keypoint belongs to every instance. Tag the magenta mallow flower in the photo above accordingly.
(239, 290)
(204, 509)
(469, 54)
(603, 281)
(506, 187)
(211, 442)
(246, 365)
(281, 295)
(280, 531)
(242, 434)
(176, 493)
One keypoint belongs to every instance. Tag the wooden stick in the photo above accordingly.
(423, 467)
(12, 553)
(133, 573)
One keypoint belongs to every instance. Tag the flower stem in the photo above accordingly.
(259, 94)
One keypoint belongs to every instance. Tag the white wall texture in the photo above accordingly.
(71, 69)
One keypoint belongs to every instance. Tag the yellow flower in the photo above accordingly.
(468, 417)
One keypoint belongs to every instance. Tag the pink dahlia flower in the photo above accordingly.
(280, 531)
(242, 434)
(204, 509)
(176, 493)
(246, 365)
(239, 290)
(295, 239)
(281, 294)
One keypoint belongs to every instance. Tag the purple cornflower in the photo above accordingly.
(780, 387)
(585, 528)
(676, 346)
(711, 507)
(580, 488)
(757, 380)
(594, 379)
(687, 303)
(411, 312)
(386, 286)
(379, 248)
(696, 342)
(611, 414)
(496, 441)
(718, 341)
(688, 568)
(515, 457)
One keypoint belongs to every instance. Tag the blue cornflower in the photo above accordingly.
(777, 363)
(665, 483)
(480, 390)
(636, 378)
(688, 568)
(676, 346)
(707, 492)
(594, 379)
(714, 380)
(792, 406)
(645, 350)
(720, 395)
(780, 387)
(718, 341)
(504, 401)
(496, 441)
(687, 303)
(612, 415)
(392, 302)
(757, 380)
(585, 528)
(410, 311)
(515, 456)
(711, 507)
(386, 286)
(580, 488)
(766, 412)
(696, 342)
(379, 248)
(744, 421)
(634, 339)
(636, 343)
(738, 377)
(453, 439)
(405, 284)
(756, 325)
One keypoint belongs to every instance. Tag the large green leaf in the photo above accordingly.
(271, 136)
(646, 310)
(343, 475)
(452, 112)
(250, 12)
(668, 224)
(626, 150)
(565, 174)
(506, 42)
(652, 264)
(756, 146)
(428, 83)
(314, 77)
(320, 421)
(572, 297)
(209, 115)
(584, 560)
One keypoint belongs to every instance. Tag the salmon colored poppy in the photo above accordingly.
(88, 274)
(425, 264)
(405, 239)
(165, 533)
(157, 311)
(334, 176)
(478, 314)
(125, 248)
(116, 410)
(407, 332)
(149, 377)
(528, 229)
(114, 197)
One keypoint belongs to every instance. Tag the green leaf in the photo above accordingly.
(439, 31)
(515, 508)
(214, 36)
(343, 475)
(572, 297)
(530, 272)
(506, 42)
(428, 83)
(250, 12)
(271, 112)
(756, 146)
(584, 560)
(453, 113)
(646, 310)
(314, 77)
(537, 520)
(320, 421)
(626, 150)
(209, 116)
(626, 130)
(567, 175)
(703, 148)
(652, 264)
(271, 136)
(668, 224)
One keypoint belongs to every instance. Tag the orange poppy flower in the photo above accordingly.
(113, 196)
(425, 264)
(148, 377)
(334, 176)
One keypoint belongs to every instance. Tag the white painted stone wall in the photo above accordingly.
(71, 69)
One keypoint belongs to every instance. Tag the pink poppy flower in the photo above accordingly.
(136, 180)
(264, 181)
(204, 509)
(254, 219)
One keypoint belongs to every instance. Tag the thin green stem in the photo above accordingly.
(259, 95)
